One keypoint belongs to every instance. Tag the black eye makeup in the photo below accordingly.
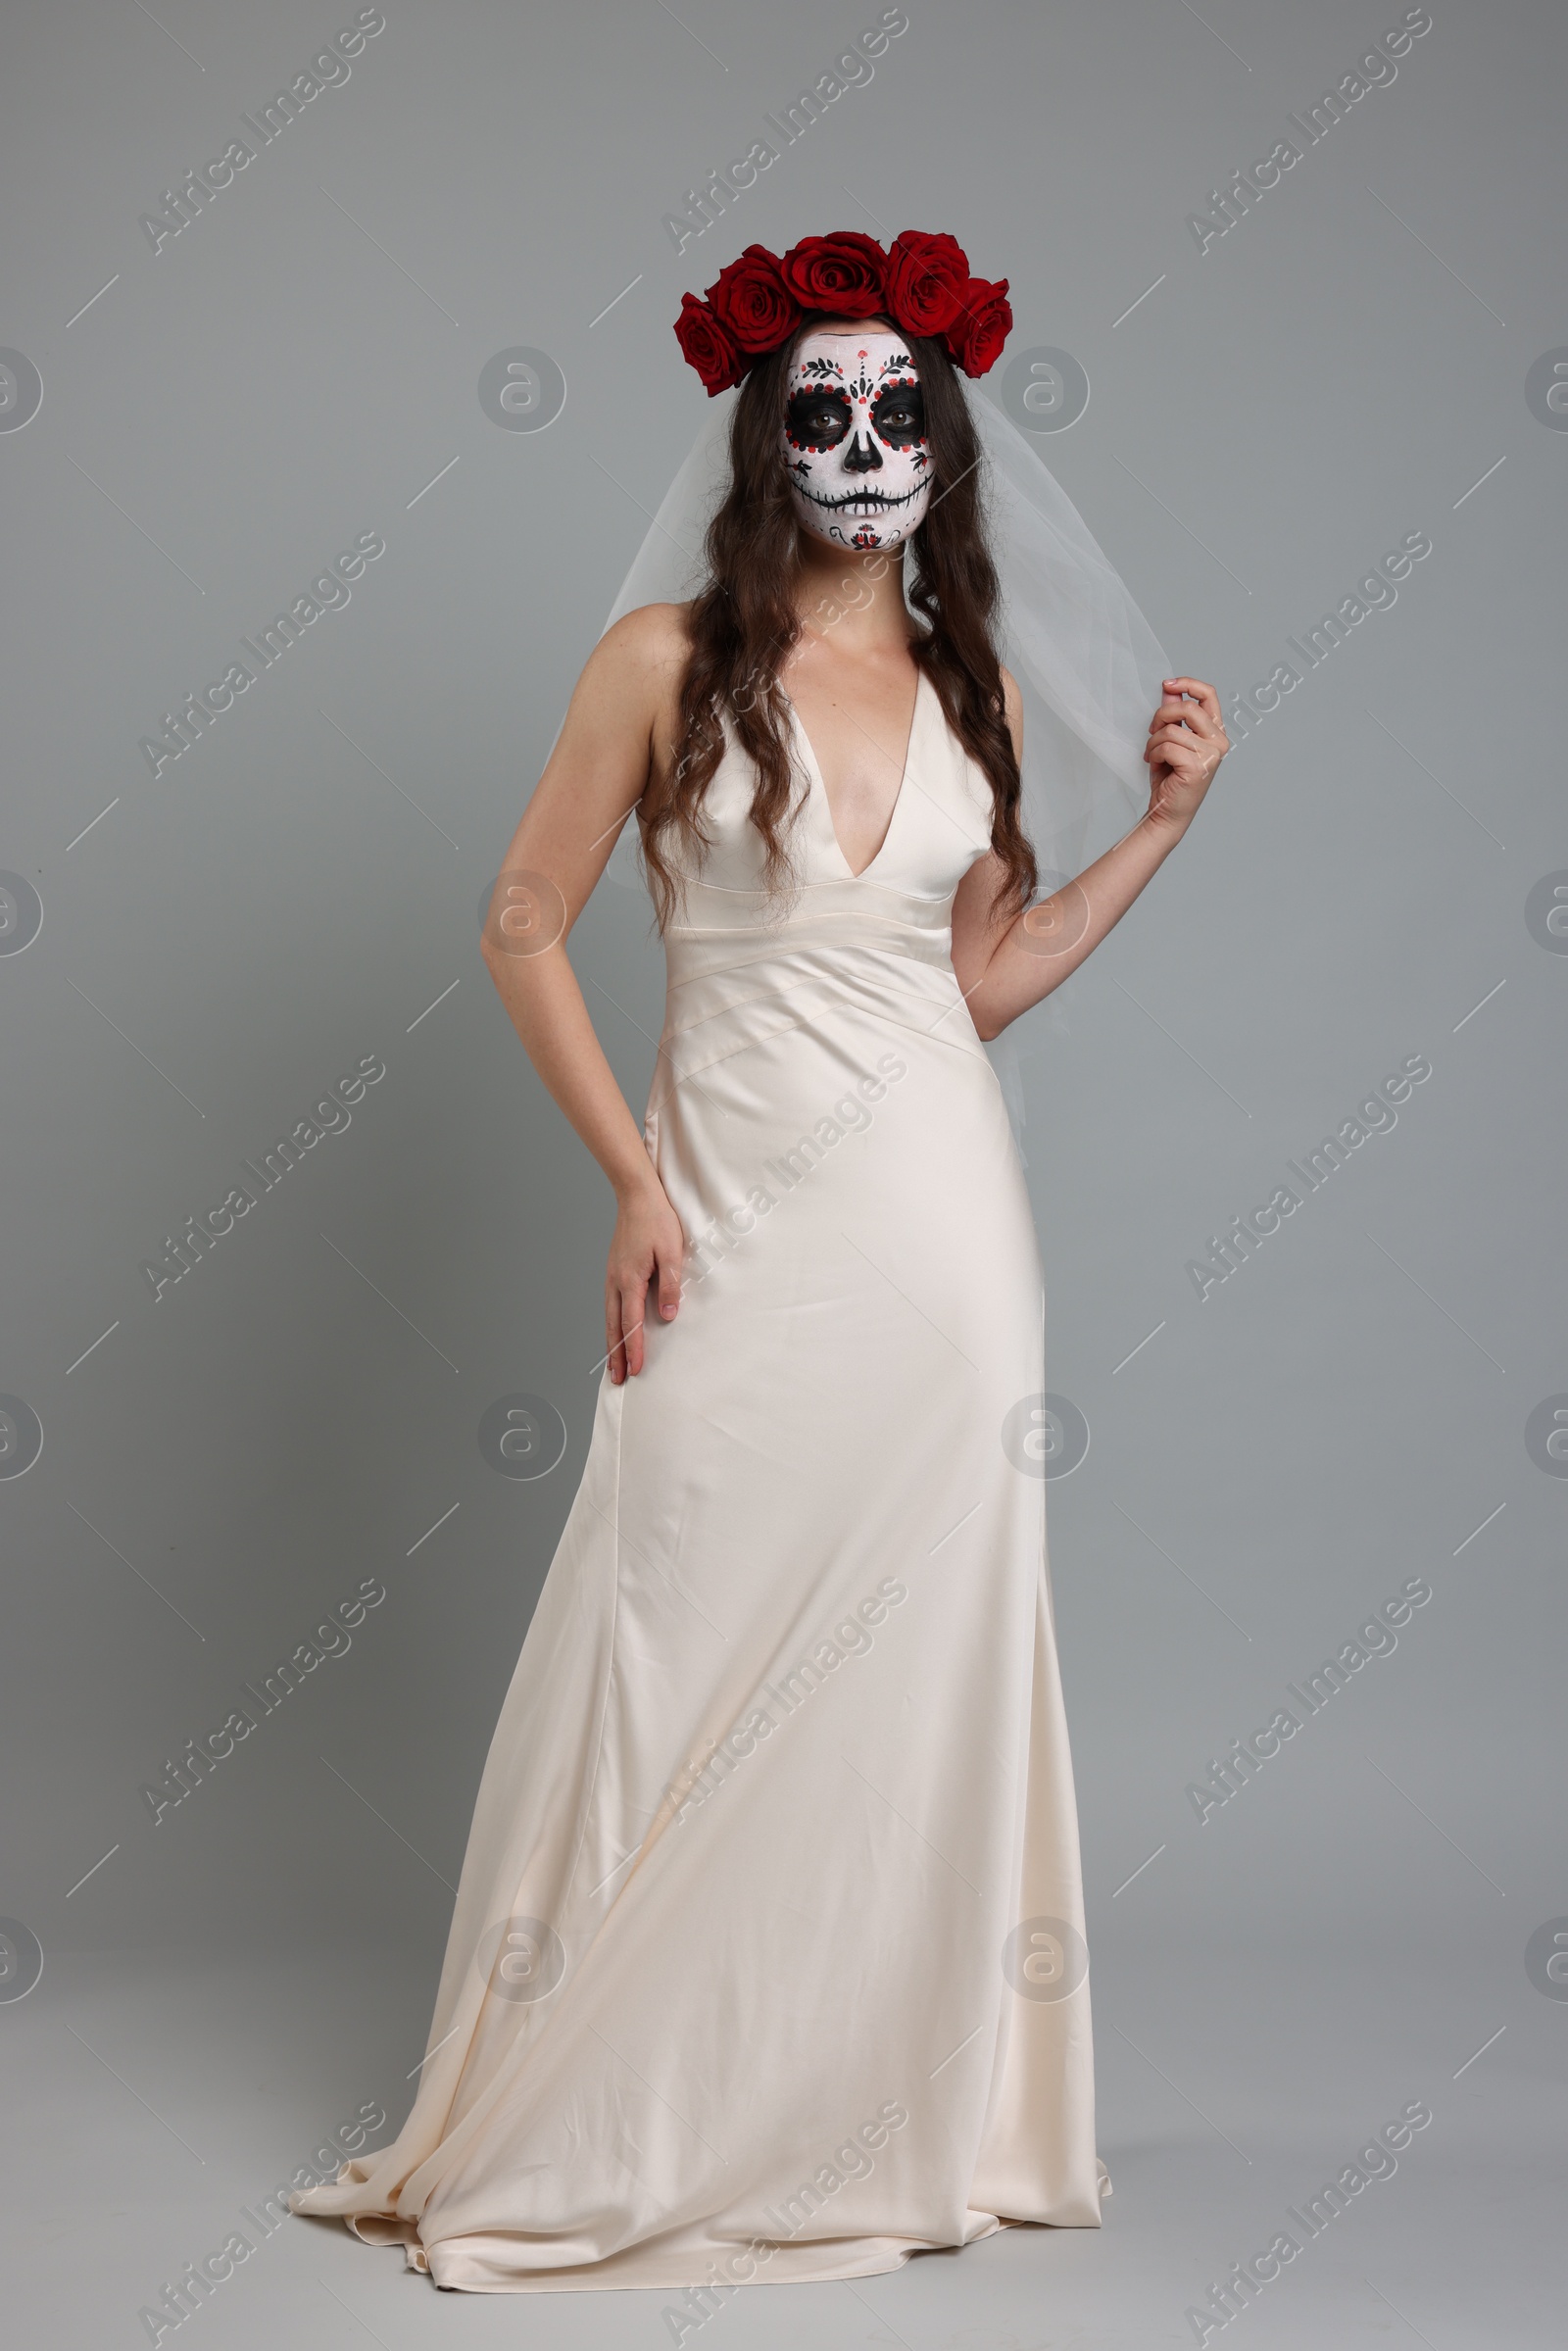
(817, 417)
(899, 415)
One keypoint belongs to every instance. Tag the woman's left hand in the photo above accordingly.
(1187, 741)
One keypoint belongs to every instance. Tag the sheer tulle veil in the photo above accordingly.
(1087, 664)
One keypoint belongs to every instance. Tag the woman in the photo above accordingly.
(767, 1958)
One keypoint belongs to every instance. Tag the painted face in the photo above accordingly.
(854, 437)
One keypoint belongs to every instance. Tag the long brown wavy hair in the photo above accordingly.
(743, 622)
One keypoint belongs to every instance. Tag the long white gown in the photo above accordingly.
(766, 1962)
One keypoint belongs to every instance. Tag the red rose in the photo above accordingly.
(751, 302)
(844, 273)
(706, 346)
(926, 282)
(976, 336)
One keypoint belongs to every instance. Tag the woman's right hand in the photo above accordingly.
(643, 1276)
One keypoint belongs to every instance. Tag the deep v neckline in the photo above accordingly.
(815, 777)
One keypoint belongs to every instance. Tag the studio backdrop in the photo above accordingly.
(337, 387)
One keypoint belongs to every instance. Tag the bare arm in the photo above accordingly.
(597, 774)
(1006, 964)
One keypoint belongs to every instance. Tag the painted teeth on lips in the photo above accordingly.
(864, 501)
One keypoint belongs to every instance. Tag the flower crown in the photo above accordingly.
(922, 282)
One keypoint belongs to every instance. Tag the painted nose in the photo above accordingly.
(862, 454)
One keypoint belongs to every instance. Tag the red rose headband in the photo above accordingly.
(922, 284)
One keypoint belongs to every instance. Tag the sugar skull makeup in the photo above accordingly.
(854, 437)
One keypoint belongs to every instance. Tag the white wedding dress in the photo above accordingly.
(767, 1957)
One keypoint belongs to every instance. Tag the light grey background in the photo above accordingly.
(1340, 369)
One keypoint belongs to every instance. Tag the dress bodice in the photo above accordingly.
(941, 820)
(742, 960)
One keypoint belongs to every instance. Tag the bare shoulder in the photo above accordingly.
(652, 632)
(643, 658)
